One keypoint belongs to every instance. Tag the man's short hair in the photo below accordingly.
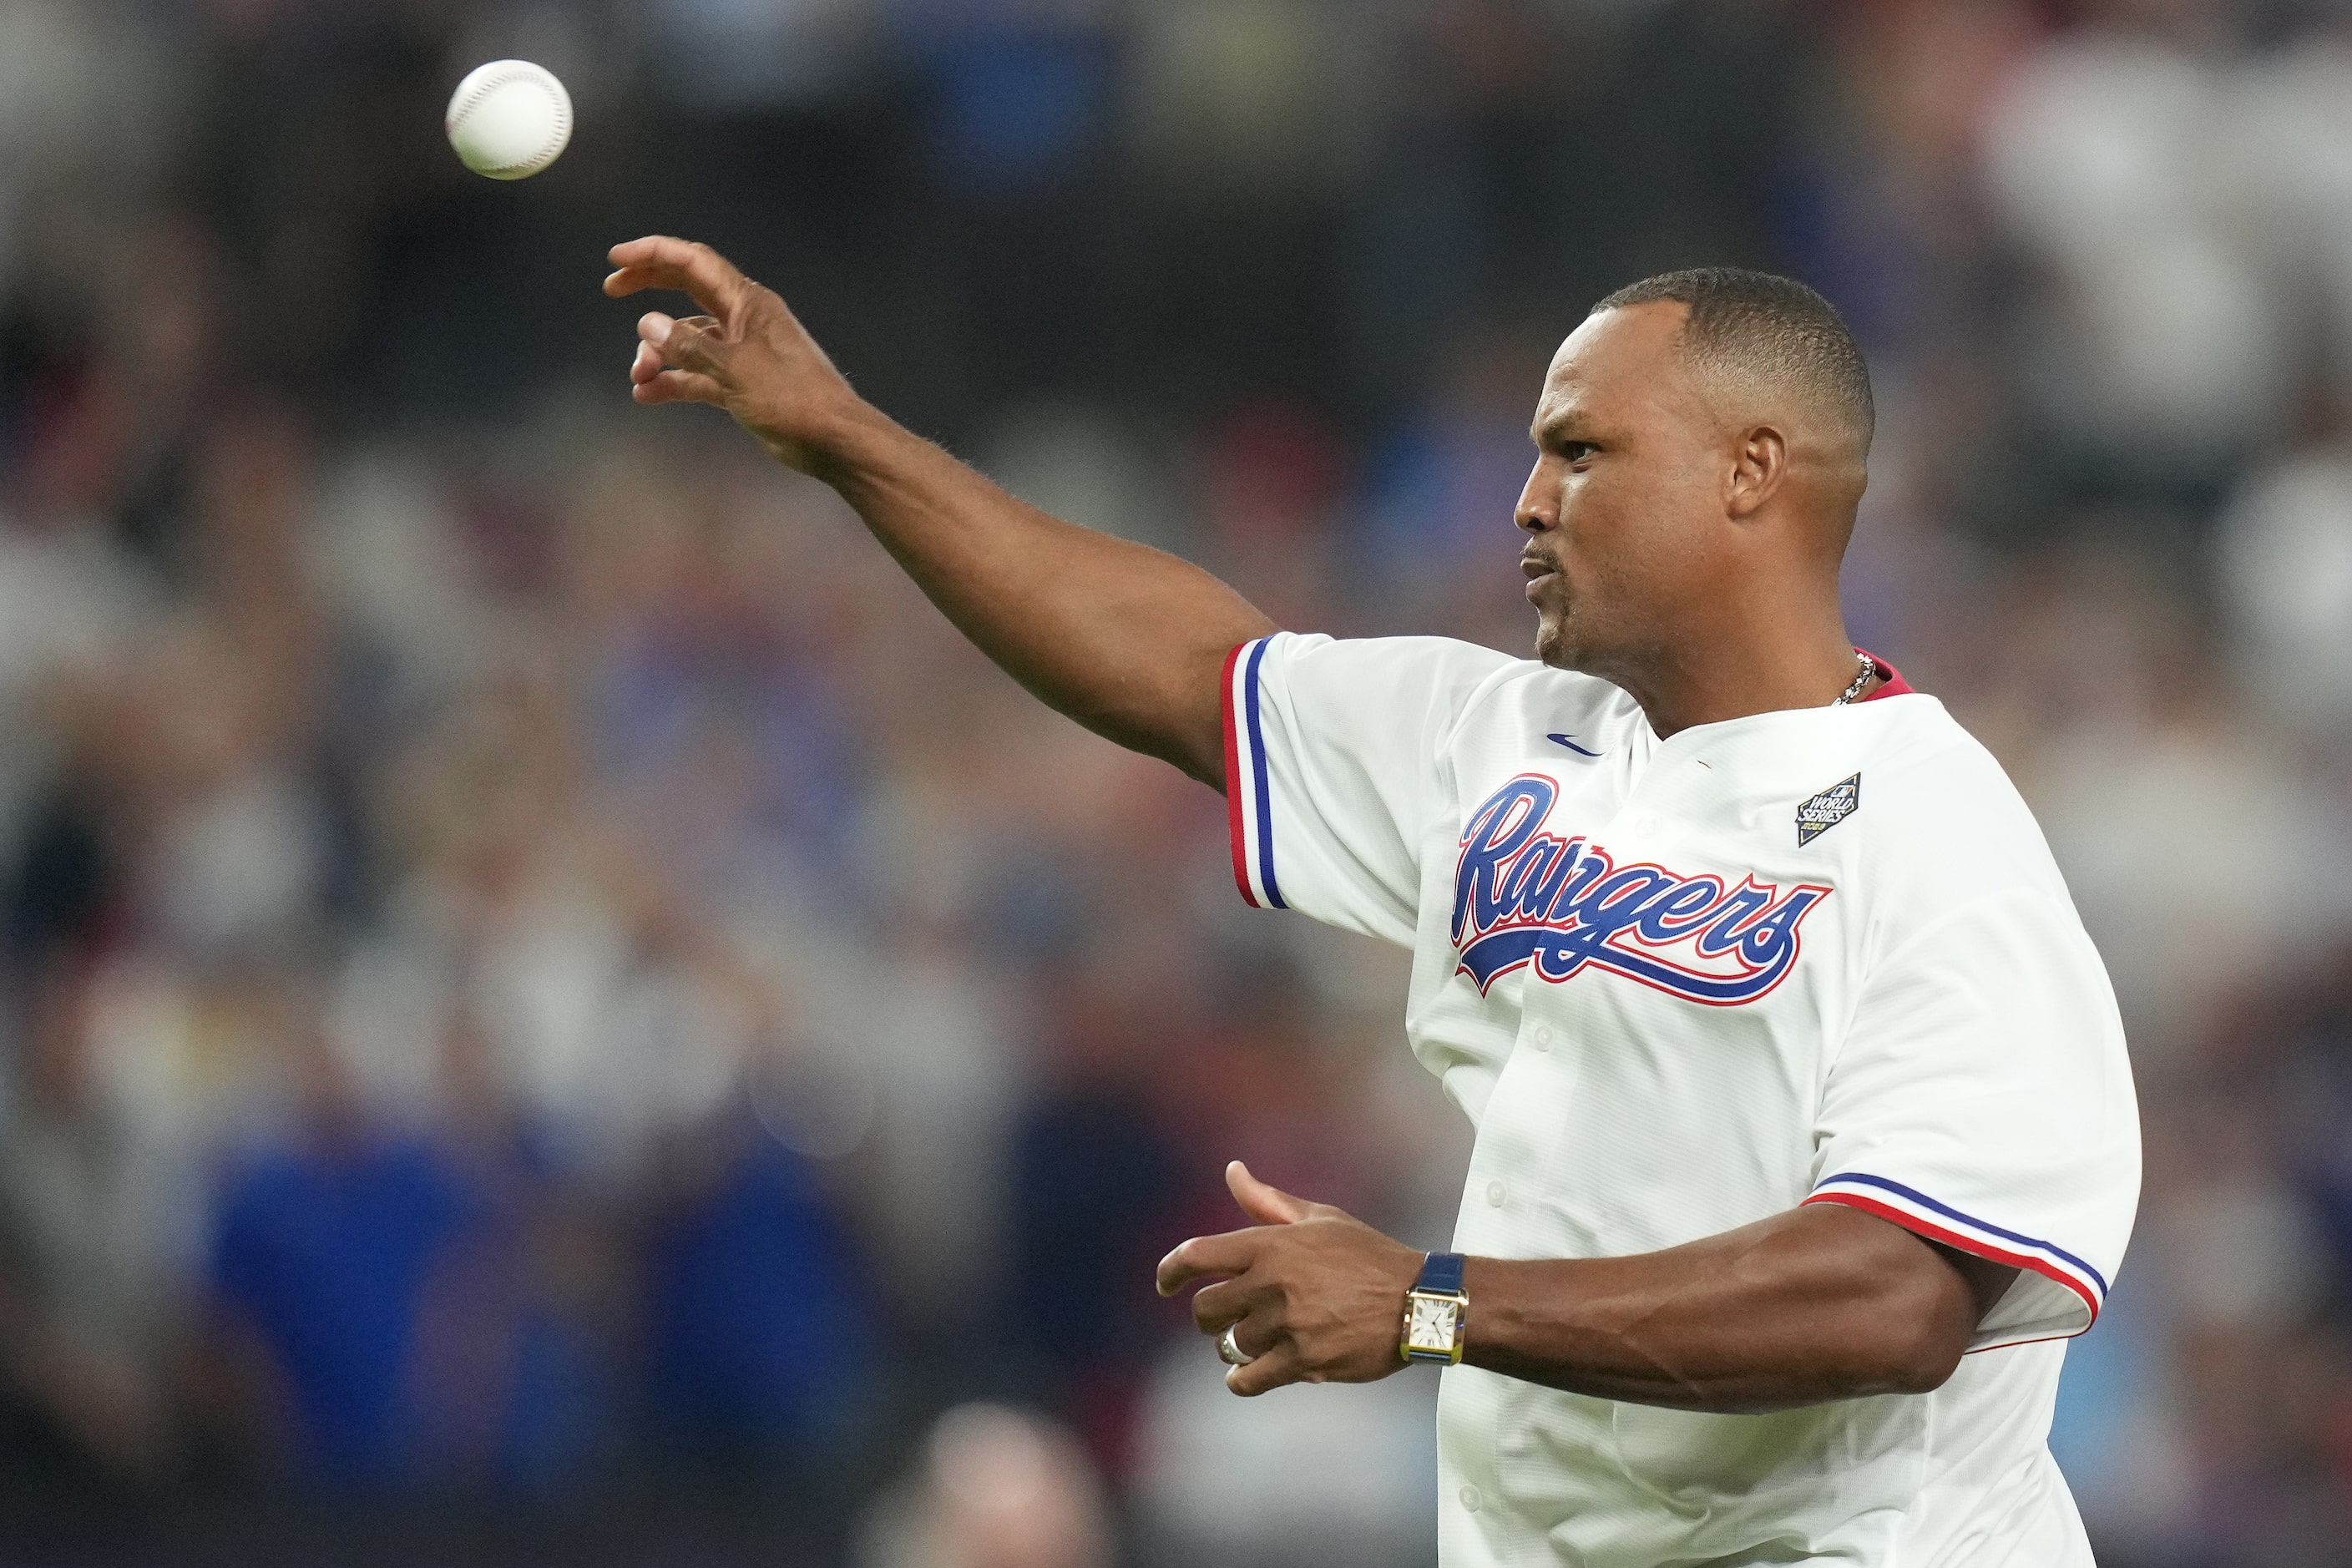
(1766, 327)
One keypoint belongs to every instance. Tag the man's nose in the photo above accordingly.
(1535, 513)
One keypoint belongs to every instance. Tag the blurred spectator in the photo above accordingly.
(2284, 548)
(97, 1216)
(760, 1319)
(329, 1241)
(1318, 1478)
(995, 1487)
(2155, 349)
(1096, 1182)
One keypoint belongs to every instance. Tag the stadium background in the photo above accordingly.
(555, 1013)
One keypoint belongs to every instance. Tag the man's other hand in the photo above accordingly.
(1312, 1294)
(746, 353)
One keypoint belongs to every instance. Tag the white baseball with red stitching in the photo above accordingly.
(509, 119)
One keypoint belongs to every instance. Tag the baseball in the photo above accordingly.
(509, 119)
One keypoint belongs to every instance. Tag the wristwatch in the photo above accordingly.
(1435, 1311)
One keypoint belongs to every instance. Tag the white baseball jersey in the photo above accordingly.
(1814, 956)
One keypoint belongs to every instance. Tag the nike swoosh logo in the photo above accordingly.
(1559, 739)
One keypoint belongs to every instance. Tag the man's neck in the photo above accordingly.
(1690, 684)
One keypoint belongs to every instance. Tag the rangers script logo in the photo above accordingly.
(1522, 896)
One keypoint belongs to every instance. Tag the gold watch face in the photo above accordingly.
(1431, 1327)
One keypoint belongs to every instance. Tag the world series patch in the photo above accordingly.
(1827, 809)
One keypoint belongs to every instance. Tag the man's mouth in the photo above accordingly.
(1540, 574)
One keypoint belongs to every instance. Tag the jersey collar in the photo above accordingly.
(1891, 681)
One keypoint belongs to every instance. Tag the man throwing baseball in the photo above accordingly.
(1805, 1132)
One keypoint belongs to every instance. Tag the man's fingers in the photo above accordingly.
(1216, 1306)
(647, 364)
(1207, 1257)
(672, 363)
(684, 344)
(662, 261)
(1260, 1331)
(1279, 1365)
(1266, 1205)
(678, 386)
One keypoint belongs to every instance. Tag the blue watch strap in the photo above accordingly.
(1443, 1271)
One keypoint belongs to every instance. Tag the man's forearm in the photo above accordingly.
(1820, 1304)
(1126, 639)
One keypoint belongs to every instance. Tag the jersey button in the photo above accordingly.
(1495, 1195)
(1543, 1038)
(1471, 1498)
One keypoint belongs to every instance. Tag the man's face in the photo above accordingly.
(1623, 512)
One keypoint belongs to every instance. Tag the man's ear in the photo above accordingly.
(1759, 465)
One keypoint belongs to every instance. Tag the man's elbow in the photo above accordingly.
(1925, 1364)
(1923, 1324)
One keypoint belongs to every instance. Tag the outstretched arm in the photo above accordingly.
(1127, 640)
(1823, 1302)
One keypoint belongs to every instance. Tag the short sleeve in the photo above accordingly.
(1333, 764)
(1982, 1098)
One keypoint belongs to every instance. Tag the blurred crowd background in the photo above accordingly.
(551, 1010)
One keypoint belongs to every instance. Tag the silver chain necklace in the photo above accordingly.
(1869, 669)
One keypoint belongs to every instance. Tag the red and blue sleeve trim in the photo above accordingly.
(1918, 1212)
(1249, 792)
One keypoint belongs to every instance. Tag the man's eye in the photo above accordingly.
(1576, 451)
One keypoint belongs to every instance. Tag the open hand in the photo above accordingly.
(1312, 1293)
(746, 353)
